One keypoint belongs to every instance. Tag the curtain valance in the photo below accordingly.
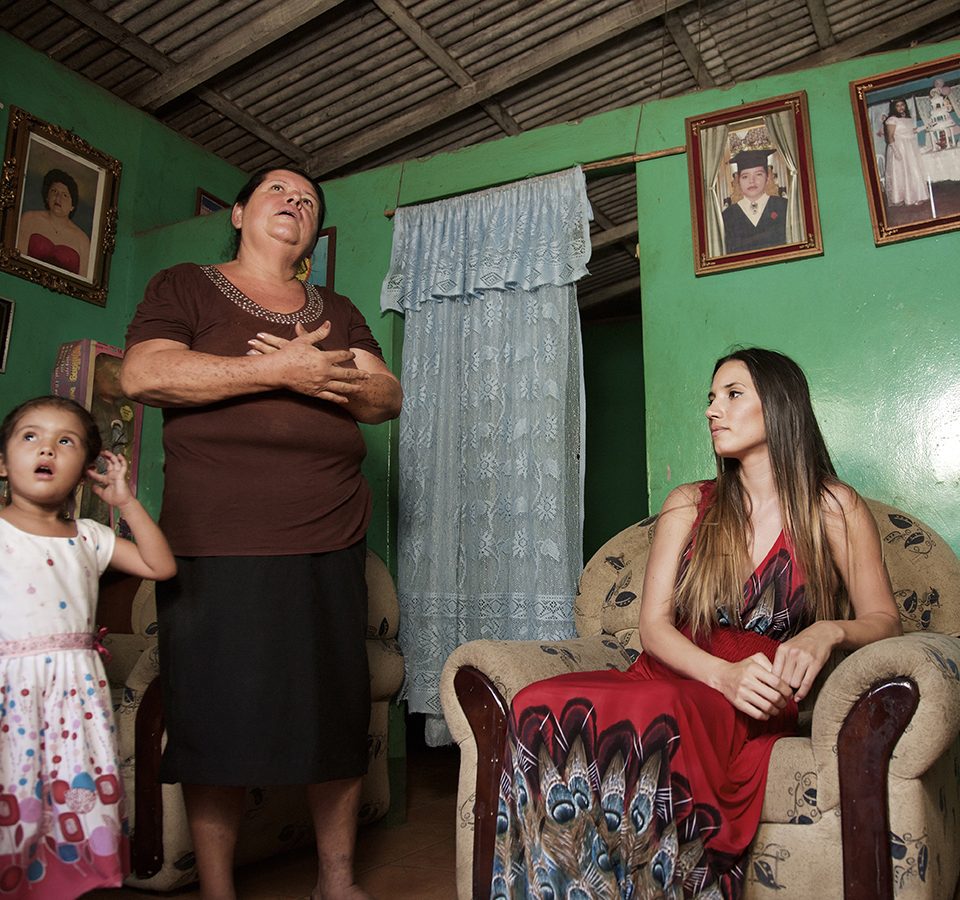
(519, 236)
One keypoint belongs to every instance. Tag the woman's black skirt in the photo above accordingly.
(264, 669)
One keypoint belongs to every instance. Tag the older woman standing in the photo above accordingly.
(263, 380)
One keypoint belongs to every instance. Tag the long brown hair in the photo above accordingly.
(803, 474)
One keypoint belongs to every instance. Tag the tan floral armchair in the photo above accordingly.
(863, 804)
(276, 818)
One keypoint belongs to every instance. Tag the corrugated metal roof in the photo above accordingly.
(343, 85)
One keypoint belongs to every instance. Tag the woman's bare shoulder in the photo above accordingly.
(843, 507)
(683, 502)
(838, 498)
(31, 217)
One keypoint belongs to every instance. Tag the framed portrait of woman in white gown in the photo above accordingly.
(908, 129)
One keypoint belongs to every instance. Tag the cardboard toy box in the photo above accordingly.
(89, 372)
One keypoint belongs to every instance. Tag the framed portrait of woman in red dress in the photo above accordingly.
(58, 209)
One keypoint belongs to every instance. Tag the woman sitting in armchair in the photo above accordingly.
(650, 782)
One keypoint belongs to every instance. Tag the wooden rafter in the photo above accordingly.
(411, 27)
(877, 37)
(821, 23)
(688, 50)
(625, 287)
(613, 234)
(229, 50)
(552, 53)
(140, 49)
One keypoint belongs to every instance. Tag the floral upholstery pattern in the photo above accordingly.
(276, 819)
(797, 851)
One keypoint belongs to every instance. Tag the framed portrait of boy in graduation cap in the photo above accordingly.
(753, 199)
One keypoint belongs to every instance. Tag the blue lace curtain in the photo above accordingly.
(491, 439)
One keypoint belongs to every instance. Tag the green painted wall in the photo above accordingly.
(877, 329)
(161, 172)
(547, 149)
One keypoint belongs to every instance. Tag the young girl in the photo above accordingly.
(649, 783)
(62, 825)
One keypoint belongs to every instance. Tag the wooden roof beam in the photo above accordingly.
(411, 27)
(688, 50)
(614, 234)
(611, 233)
(341, 153)
(821, 23)
(628, 287)
(880, 36)
(140, 49)
(229, 50)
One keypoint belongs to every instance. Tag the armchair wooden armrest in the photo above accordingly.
(147, 845)
(860, 736)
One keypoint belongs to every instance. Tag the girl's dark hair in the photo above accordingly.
(91, 434)
(893, 108)
(257, 178)
(58, 175)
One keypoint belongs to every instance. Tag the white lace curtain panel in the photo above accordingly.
(491, 439)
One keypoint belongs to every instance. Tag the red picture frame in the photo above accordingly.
(900, 210)
(782, 220)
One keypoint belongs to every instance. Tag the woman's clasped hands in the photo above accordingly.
(753, 687)
(799, 661)
(327, 374)
(761, 688)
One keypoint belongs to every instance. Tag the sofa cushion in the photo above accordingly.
(923, 569)
(791, 793)
(609, 590)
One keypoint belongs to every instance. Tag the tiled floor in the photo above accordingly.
(412, 861)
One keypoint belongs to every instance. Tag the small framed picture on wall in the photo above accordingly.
(206, 203)
(58, 209)
(6, 327)
(320, 267)
(908, 129)
(753, 199)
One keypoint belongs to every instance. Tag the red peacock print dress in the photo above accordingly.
(644, 784)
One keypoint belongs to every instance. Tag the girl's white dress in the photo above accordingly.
(62, 821)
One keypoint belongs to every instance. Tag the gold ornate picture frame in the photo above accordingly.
(58, 209)
(908, 129)
(753, 198)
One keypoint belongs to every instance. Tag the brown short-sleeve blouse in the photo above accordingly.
(267, 474)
